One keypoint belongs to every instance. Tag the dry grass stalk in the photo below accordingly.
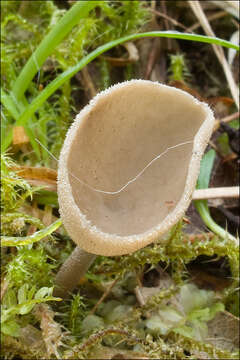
(197, 9)
(51, 330)
(214, 193)
(105, 294)
(133, 56)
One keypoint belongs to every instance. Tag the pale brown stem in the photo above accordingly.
(72, 270)
(212, 17)
(226, 119)
(139, 296)
(133, 55)
(230, 117)
(214, 193)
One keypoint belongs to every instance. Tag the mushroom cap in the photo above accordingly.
(141, 133)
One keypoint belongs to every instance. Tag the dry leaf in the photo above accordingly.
(19, 136)
(38, 176)
(223, 331)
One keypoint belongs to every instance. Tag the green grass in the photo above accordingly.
(12, 101)
(48, 47)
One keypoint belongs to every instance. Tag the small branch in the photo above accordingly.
(139, 296)
(103, 296)
(87, 82)
(214, 193)
(173, 21)
(133, 55)
(4, 287)
(197, 10)
(231, 117)
(98, 336)
(152, 58)
(226, 119)
(212, 17)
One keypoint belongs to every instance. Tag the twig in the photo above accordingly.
(4, 287)
(226, 119)
(99, 335)
(87, 82)
(103, 296)
(133, 55)
(167, 26)
(231, 117)
(173, 21)
(214, 193)
(197, 9)
(152, 58)
(139, 296)
(212, 17)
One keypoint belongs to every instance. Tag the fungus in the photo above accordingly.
(127, 170)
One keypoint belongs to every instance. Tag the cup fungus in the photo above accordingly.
(127, 170)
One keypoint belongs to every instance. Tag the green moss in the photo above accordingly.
(31, 266)
(28, 271)
(14, 190)
(178, 68)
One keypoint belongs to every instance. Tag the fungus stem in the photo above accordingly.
(71, 272)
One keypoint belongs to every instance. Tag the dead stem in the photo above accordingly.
(105, 294)
(215, 193)
(99, 335)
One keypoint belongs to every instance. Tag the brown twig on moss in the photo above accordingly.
(100, 334)
(105, 294)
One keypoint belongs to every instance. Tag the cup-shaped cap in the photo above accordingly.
(129, 165)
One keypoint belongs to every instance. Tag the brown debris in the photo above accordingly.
(181, 85)
(85, 78)
(223, 331)
(32, 337)
(104, 352)
(207, 281)
(51, 331)
(133, 56)
(38, 176)
(20, 138)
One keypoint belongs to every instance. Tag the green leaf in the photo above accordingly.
(91, 322)
(157, 326)
(223, 144)
(11, 328)
(72, 17)
(206, 169)
(202, 205)
(37, 236)
(22, 293)
(24, 308)
(45, 197)
(9, 299)
(26, 76)
(193, 298)
(44, 291)
(214, 309)
(185, 331)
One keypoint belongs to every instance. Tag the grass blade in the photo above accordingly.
(37, 236)
(202, 205)
(66, 75)
(78, 11)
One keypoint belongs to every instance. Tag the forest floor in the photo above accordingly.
(166, 302)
